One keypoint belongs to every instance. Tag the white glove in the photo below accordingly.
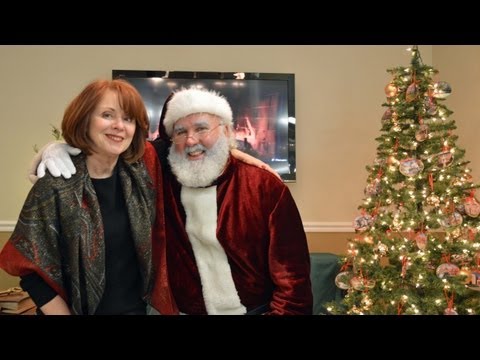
(55, 156)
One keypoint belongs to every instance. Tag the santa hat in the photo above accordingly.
(191, 101)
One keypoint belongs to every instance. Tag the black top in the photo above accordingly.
(123, 283)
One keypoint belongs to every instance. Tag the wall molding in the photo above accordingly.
(7, 226)
(314, 227)
(310, 227)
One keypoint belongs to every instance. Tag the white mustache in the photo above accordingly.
(196, 147)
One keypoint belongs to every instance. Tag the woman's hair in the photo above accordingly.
(76, 119)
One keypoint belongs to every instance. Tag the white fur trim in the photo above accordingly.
(219, 292)
(192, 101)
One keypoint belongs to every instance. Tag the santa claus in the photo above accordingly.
(235, 239)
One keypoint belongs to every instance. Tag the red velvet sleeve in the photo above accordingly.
(161, 297)
(289, 260)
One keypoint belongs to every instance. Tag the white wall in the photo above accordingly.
(339, 92)
(459, 65)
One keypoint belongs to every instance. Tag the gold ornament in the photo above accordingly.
(381, 248)
(391, 160)
(391, 90)
(368, 239)
(455, 233)
(465, 272)
(433, 200)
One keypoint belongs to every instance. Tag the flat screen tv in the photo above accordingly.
(263, 106)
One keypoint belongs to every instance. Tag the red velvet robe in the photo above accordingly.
(261, 232)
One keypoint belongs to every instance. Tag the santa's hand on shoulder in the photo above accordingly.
(56, 157)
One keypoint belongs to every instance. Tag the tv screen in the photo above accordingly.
(263, 106)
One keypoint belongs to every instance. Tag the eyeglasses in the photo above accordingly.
(200, 133)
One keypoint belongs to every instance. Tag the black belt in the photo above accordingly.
(259, 310)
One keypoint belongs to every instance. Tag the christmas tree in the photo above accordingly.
(417, 248)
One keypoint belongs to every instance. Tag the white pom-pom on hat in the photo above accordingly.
(192, 101)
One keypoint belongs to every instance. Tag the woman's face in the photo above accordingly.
(111, 130)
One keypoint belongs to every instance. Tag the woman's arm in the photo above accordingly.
(56, 306)
(43, 295)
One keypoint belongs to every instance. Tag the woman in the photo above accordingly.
(84, 246)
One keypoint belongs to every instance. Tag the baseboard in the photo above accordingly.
(314, 227)
(7, 226)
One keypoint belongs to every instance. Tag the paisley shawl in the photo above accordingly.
(59, 233)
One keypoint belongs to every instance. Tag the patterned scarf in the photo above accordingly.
(60, 232)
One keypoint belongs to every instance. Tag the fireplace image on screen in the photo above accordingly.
(263, 106)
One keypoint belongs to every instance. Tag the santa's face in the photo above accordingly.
(200, 128)
(200, 149)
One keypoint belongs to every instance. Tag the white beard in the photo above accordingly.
(203, 172)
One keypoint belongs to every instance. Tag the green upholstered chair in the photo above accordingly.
(324, 269)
